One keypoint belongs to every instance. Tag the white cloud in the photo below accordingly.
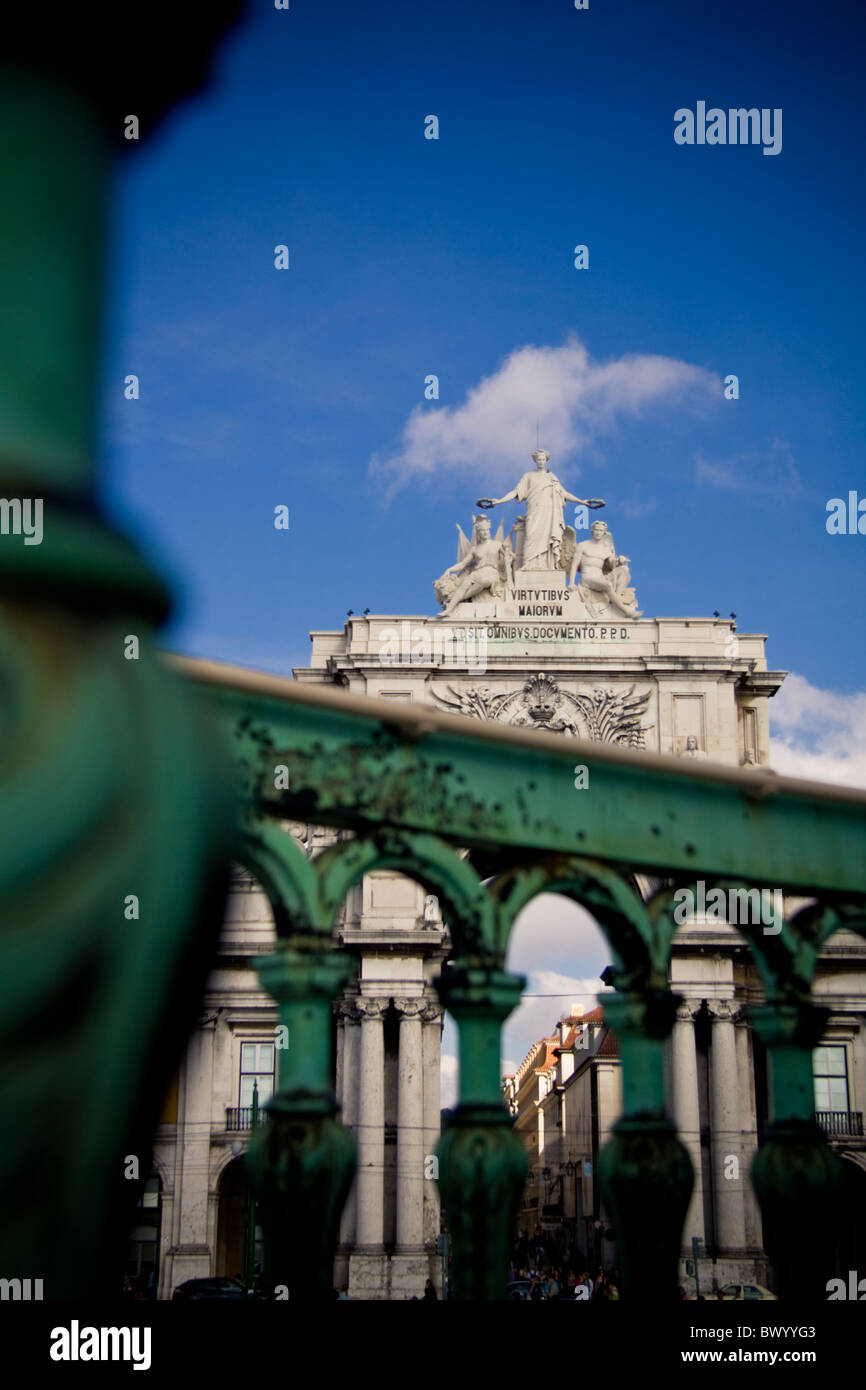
(818, 734)
(555, 933)
(553, 996)
(770, 470)
(575, 399)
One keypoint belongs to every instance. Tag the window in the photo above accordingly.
(830, 1071)
(257, 1065)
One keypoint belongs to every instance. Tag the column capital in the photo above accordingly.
(371, 1008)
(433, 1011)
(411, 1006)
(347, 1010)
(723, 1010)
(687, 1010)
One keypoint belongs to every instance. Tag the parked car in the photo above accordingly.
(197, 1289)
(519, 1289)
(746, 1292)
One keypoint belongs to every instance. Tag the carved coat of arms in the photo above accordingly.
(607, 716)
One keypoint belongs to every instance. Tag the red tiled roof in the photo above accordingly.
(594, 1016)
(609, 1045)
(549, 1058)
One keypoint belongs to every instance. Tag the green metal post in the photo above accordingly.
(796, 1176)
(301, 1162)
(114, 810)
(644, 1171)
(482, 1164)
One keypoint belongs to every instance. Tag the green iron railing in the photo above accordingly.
(416, 789)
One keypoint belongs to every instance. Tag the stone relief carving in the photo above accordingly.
(691, 749)
(431, 918)
(605, 716)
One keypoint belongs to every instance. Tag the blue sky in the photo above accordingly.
(409, 256)
(305, 387)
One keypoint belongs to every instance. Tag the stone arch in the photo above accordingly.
(166, 1176)
(220, 1160)
(233, 1198)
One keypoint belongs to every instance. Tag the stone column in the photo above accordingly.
(371, 1124)
(749, 1130)
(410, 1126)
(348, 1094)
(192, 1256)
(687, 1113)
(432, 1051)
(728, 1174)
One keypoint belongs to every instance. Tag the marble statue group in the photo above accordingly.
(538, 546)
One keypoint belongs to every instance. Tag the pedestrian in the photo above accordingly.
(430, 1290)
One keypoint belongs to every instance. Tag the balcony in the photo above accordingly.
(841, 1123)
(240, 1118)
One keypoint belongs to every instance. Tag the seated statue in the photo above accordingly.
(604, 575)
(484, 566)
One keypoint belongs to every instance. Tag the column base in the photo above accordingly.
(410, 1270)
(369, 1275)
(745, 1268)
(374, 1275)
(185, 1262)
